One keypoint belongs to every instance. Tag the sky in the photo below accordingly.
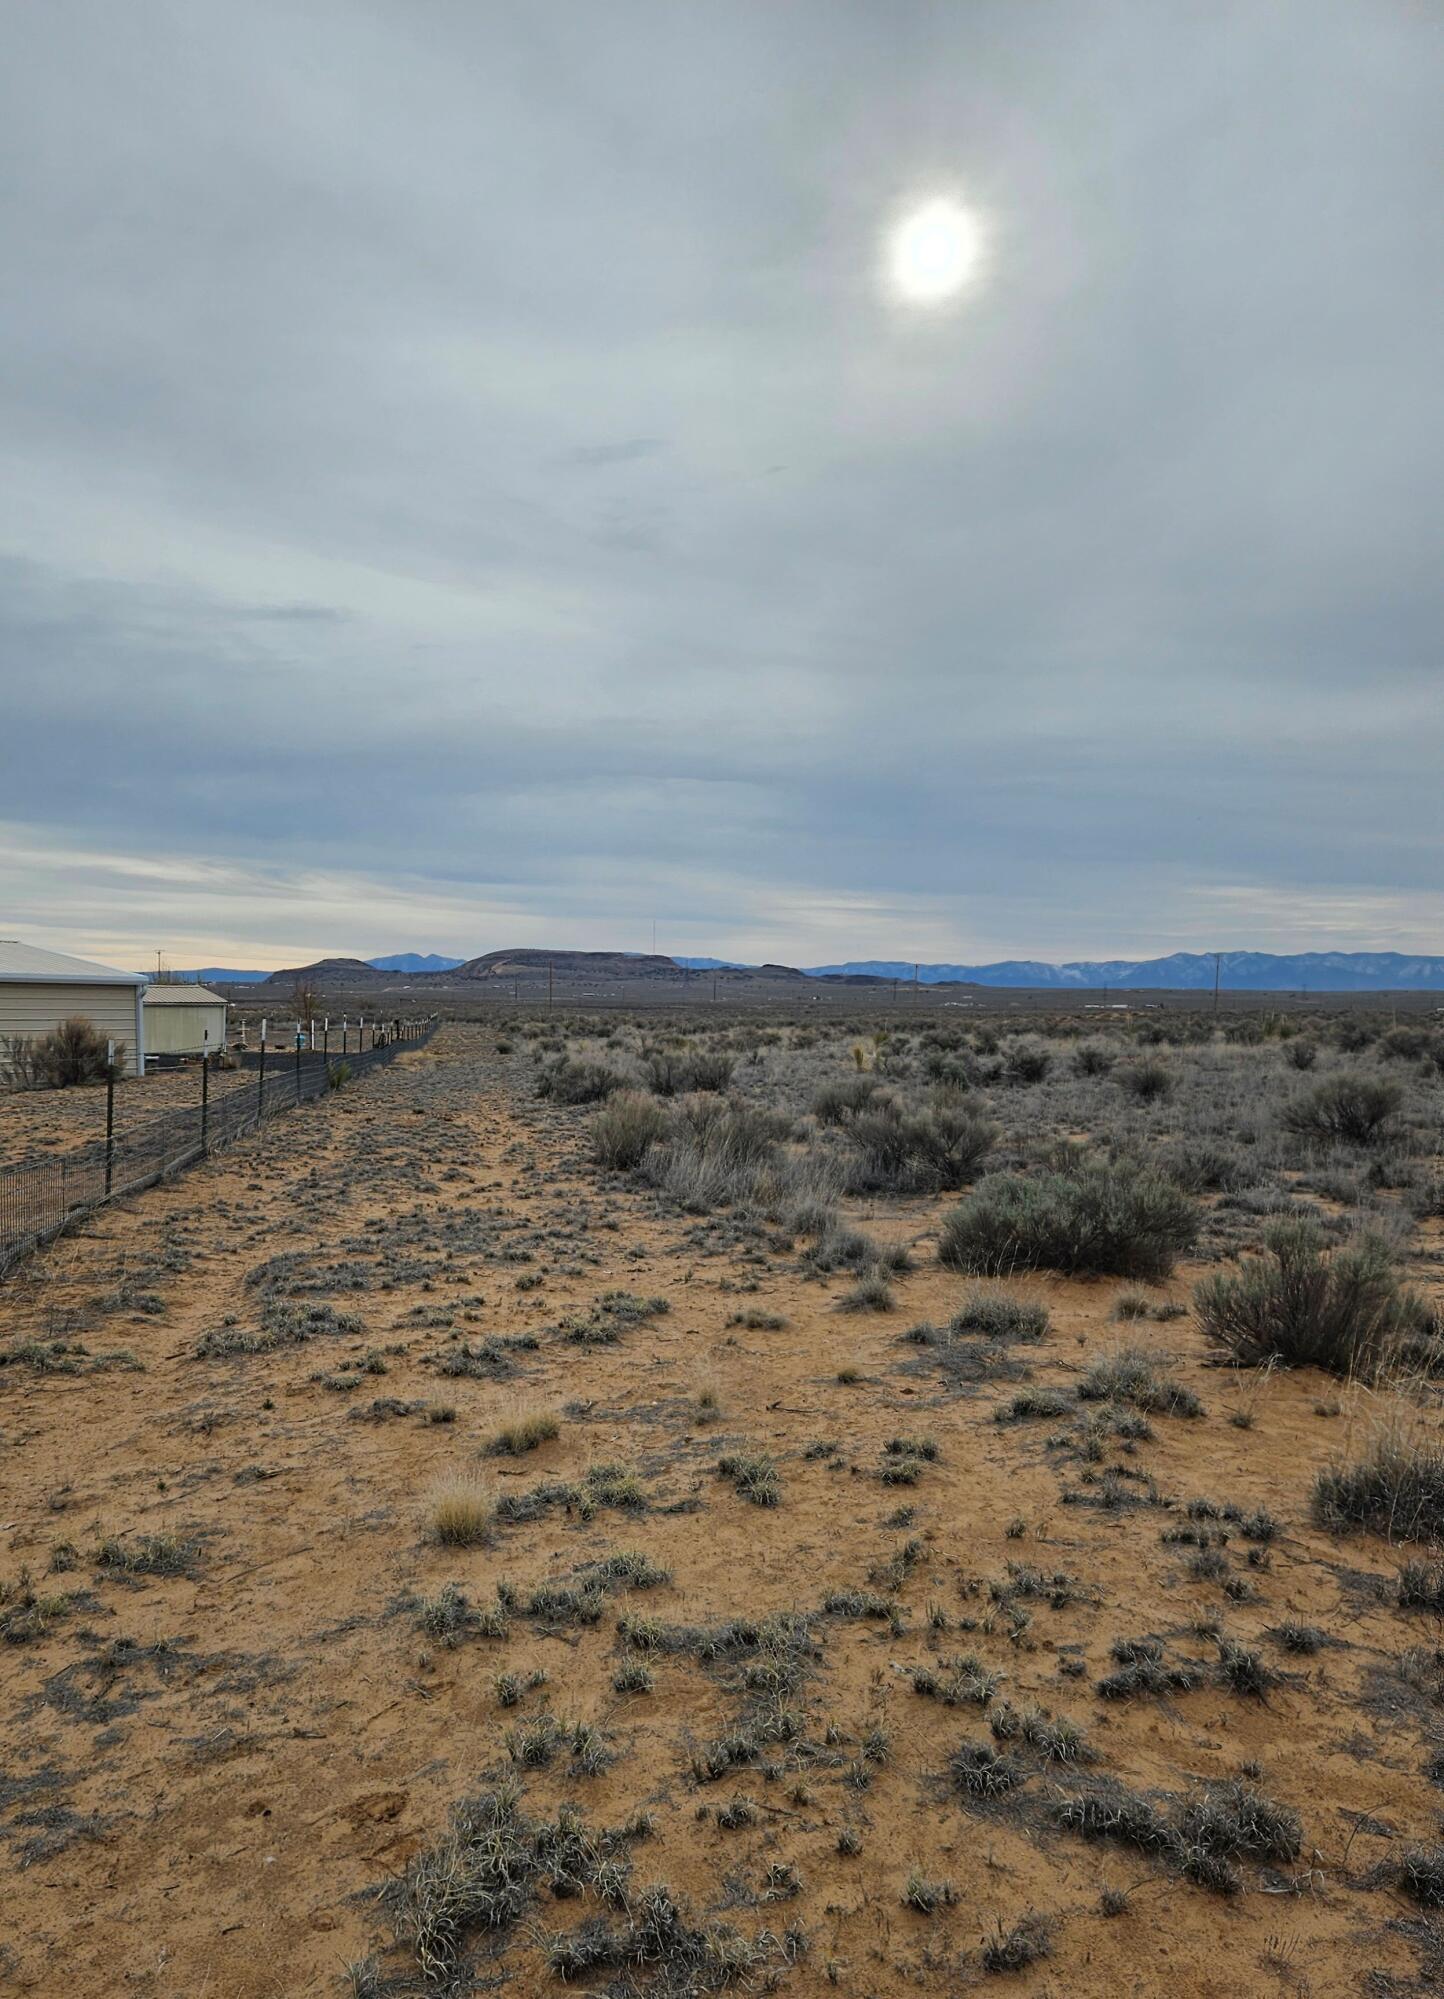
(467, 479)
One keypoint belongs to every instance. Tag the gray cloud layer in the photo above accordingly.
(464, 477)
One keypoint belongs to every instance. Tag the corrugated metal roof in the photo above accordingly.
(30, 963)
(182, 995)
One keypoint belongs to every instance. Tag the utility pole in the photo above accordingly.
(551, 969)
(1217, 962)
(915, 985)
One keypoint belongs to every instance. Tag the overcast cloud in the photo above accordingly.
(466, 484)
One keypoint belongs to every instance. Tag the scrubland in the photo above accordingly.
(668, 1505)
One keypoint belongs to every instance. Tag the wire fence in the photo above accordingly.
(41, 1197)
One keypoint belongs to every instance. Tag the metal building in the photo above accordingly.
(184, 1020)
(39, 989)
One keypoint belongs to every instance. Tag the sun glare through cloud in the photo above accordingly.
(934, 252)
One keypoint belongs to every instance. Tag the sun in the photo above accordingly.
(934, 251)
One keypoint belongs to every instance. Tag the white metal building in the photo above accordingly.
(39, 989)
(184, 1020)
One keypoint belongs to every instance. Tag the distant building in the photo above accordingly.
(184, 1020)
(40, 989)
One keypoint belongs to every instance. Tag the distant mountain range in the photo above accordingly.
(1183, 971)
(413, 961)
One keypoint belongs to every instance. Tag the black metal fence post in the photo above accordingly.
(205, 1102)
(261, 1081)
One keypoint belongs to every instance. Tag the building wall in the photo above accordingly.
(29, 1008)
(180, 1030)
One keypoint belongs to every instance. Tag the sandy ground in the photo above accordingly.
(204, 1775)
(40, 1122)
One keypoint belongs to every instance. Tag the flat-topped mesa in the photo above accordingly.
(605, 964)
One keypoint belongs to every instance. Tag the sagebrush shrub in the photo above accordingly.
(625, 1128)
(1347, 1109)
(1298, 1305)
(1108, 1220)
(1025, 1062)
(571, 1082)
(1207, 1166)
(677, 1073)
(927, 1152)
(844, 1098)
(1148, 1081)
(75, 1052)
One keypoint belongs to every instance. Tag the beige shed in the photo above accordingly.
(184, 1020)
(39, 989)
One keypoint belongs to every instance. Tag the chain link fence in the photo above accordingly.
(40, 1197)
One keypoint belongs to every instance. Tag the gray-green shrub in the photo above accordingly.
(1115, 1220)
(1303, 1307)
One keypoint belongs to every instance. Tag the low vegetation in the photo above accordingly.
(1299, 1305)
(1396, 1488)
(754, 1452)
(1094, 1218)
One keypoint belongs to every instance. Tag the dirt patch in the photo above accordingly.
(859, 1696)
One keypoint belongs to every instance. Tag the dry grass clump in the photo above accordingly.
(754, 1475)
(1108, 1220)
(146, 1555)
(1303, 1308)
(872, 1292)
(1137, 1375)
(993, 1315)
(1396, 1489)
(1204, 1837)
(460, 1510)
(719, 1155)
(523, 1427)
(706, 1398)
